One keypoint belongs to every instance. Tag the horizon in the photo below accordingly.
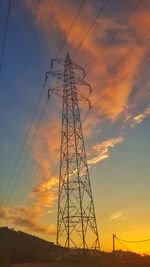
(101, 251)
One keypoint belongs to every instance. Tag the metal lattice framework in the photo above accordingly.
(76, 221)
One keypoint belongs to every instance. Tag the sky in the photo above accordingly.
(110, 39)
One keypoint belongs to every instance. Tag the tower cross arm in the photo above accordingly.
(84, 98)
(80, 81)
(56, 91)
(77, 67)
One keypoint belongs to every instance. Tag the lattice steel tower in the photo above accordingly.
(76, 221)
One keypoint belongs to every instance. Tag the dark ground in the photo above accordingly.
(18, 249)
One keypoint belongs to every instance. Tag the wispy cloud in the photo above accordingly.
(50, 211)
(118, 216)
(140, 117)
(101, 150)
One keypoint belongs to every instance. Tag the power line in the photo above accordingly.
(7, 200)
(91, 26)
(71, 26)
(120, 81)
(39, 102)
(133, 241)
(36, 109)
(127, 75)
(125, 56)
(114, 36)
(74, 21)
(5, 35)
(102, 52)
(25, 159)
(111, 88)
(122, 244)
(24, 143)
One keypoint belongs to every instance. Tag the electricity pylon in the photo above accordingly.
(76, 221)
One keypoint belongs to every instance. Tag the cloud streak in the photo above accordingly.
(118, 216)
(25, 218)
(101, 150)
(140, 117)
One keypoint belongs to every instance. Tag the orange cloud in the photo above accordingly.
(101, 150)
(140, 117)
(44, 152)
(24, 218)
(46, 147)
(45, 193)
(141, 19)
(51, 16)
(42, 199)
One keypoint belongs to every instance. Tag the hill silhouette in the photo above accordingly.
(19, 247)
